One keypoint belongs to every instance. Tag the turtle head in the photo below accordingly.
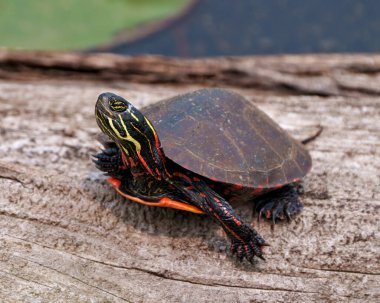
(131, 131)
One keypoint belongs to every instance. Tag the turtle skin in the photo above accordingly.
(279, 204)
(212, 156)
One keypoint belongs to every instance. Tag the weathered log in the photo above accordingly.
(67, 237)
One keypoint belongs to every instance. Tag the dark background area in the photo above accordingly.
(244, 27)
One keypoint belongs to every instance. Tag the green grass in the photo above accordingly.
(75, 24)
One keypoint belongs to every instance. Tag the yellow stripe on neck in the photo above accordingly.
(150, 125)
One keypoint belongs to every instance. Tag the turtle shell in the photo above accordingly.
(220, 135)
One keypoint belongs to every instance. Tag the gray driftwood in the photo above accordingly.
(65, 236)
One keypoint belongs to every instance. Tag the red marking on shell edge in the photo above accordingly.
(296, 179)
(196, 179)
(257, 190)
(278, 185)
(114, 182)
(214, 179)
(237, 186)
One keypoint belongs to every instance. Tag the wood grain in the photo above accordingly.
(65, 236)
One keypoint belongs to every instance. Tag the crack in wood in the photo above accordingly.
(66, 214)
(72, 277)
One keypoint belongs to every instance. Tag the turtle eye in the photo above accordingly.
(117, 105)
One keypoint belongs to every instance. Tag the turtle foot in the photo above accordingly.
(249, 249)
(279, 205)
(108, 160)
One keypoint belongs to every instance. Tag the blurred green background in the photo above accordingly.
(75, 24)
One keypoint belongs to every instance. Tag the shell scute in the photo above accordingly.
(219, 134)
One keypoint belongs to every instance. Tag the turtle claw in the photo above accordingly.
(261, 257)
(249, 249)
(108, 160)
(287, 215)
(281, 207)
(239, 253)
(279, 211)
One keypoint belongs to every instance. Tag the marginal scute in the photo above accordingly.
(219, 134)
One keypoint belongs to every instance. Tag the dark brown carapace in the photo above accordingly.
(200, 152)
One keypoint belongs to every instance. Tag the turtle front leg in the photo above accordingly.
(245, 241)
(109, 161)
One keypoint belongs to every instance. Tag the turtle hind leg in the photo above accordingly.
(151, 196)
(280, 204)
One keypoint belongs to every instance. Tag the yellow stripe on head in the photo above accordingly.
(104, 127)
(133, 115)
(128, 137)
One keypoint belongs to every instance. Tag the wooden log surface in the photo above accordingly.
(66, 236)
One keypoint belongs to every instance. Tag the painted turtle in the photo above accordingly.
(198, 151)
